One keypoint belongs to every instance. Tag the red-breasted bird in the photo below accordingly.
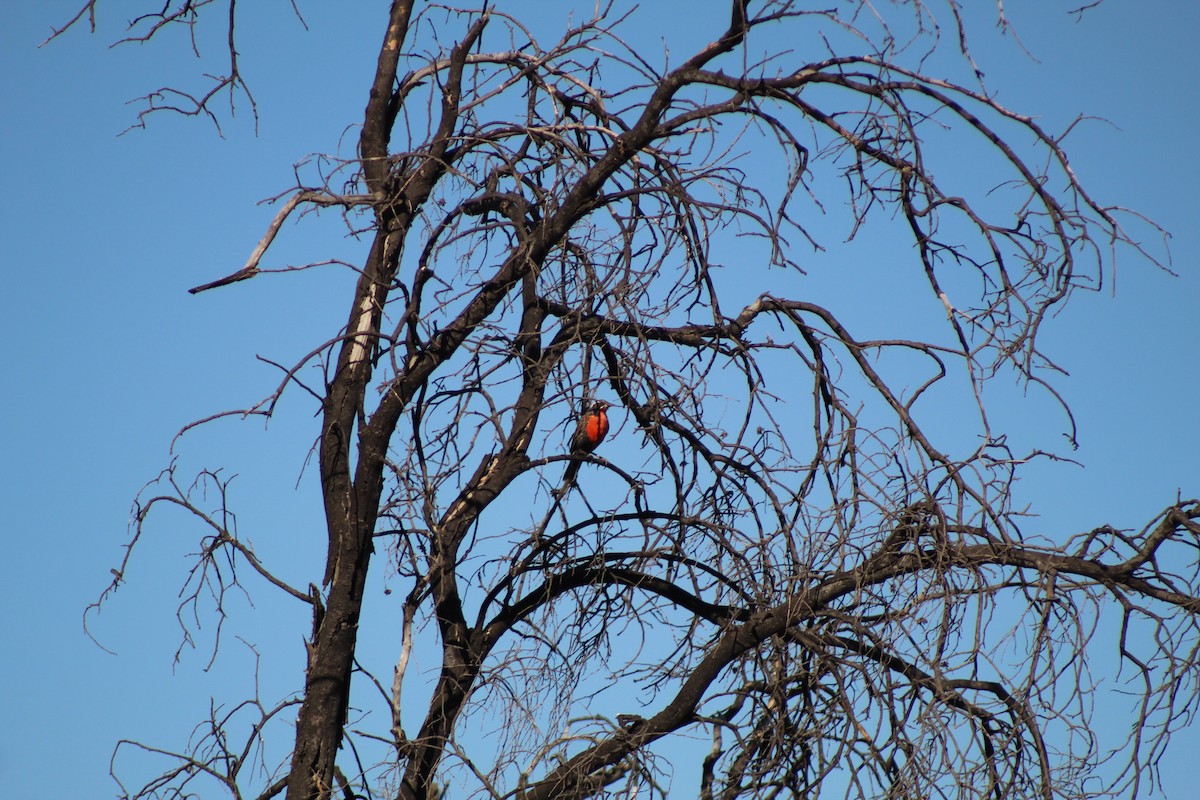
(589, 433)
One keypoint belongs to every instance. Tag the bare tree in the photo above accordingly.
(794, 566)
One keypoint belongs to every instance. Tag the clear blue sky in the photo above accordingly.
(107, 355)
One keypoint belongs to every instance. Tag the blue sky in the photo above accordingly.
(107, 356)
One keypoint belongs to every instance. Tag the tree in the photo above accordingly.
(838, 601)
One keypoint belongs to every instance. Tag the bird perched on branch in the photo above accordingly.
(589, 433)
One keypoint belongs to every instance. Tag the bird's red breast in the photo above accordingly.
(597, 426)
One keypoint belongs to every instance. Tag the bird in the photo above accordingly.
(589, 433)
